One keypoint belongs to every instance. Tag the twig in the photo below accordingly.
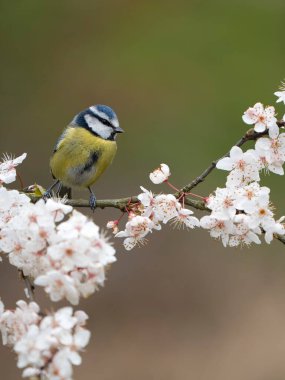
(29, 286)
(249, 136)
(281, 238)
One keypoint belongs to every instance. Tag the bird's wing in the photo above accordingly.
(93, 158)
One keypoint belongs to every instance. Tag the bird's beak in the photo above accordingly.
(119, 130)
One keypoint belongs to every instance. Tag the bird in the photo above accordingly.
(84, 150)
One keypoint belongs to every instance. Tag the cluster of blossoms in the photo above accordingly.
(152, 211)
(240, 214)
(242, 210)
(60, 248)
(46, 346)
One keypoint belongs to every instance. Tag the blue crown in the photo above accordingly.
(106, 110)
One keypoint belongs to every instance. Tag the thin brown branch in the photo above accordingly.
(249, 136)
(281, 238)
(122, 203)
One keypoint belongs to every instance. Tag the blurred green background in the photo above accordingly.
(179, 76)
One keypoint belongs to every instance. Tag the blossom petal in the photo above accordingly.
(225, 164)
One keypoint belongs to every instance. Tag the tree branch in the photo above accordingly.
(122, 203)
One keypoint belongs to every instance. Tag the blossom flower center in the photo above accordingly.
(59, 283)
(18, 248)
(33, 218)
(275, 145)
(241, 164)
(249, 194)
(69, 251)
(228, 202)
(262, 212)
(220, 225)
(141, 228)
(43, 234)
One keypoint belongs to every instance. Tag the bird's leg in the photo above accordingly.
(47, 193)
(92, 199)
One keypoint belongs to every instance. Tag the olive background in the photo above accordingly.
(179, 76)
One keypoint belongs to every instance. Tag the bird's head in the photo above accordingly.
(100, 120)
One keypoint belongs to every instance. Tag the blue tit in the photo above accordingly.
(85, 149)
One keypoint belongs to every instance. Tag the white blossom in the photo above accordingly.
(281, 96)
(166, 207)
(113, 224)
(261, 215)
(59, 285)
(57, 208)
(242, 166)
(72, 227)
(148, 201)
(273, 227)
(136, 230)
(262, 118)
(248, 196)
(160, 174)
(218, 228)
(222, 203)
(243, 234)
(271, 153)
(7, 168)
(185, 218)
(281, 93)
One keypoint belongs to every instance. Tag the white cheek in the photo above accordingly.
(96, 126)
(115, 123)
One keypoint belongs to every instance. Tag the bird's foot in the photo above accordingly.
(48, 193)
(92, 201)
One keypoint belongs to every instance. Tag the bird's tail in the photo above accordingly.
(65, 192)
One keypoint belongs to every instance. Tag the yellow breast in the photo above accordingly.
(80, 157)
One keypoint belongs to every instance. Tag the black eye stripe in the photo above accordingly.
(80, 119)
(104, 121)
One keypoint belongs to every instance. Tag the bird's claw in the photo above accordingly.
(92, 201)
(46, 195)
(48, 192)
